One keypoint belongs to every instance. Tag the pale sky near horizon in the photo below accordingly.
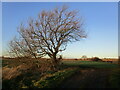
(101, 24)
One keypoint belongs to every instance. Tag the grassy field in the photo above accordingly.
(24, 74)
(113, 77)
(90, 64)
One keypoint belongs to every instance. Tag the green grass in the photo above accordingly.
(51, 80)
(55, 79)
(114, 79)
(91, 64)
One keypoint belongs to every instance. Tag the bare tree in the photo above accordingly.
(18, 48)
(50, 33)
(29, 40)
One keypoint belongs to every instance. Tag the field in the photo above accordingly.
(71, 74)
(90, 64)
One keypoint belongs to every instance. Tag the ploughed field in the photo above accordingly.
(71, 74)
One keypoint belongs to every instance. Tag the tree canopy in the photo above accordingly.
(48, 34)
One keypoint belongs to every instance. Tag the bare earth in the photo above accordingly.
(88, 78)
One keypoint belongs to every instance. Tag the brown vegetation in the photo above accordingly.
(18, 67)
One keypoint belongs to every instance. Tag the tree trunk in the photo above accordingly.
(54, 62)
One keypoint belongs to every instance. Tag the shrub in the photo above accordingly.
(96, 59)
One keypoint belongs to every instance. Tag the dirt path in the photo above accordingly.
(87, 78)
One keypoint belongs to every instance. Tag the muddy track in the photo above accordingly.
(88, 78)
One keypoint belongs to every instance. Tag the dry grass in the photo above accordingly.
(9, 71)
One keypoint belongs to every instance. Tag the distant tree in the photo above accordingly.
(50, 33)
(96, 59)
(84, 57)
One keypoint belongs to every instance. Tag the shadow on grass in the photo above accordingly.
(25, 80)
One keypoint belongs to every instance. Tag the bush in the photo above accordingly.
(96, 59)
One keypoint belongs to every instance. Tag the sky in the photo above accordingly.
(100, 18)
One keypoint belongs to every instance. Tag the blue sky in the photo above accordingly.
(101, 24)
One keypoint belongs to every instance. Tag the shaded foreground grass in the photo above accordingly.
(98, 75)
(54, 80)
(88, 78)
(29, 80)
(114, 78)
(34, 79)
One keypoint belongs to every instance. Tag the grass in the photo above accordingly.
(33, 79)
(55, 79)
(29, 80)
(114, 78)
(90, 64)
